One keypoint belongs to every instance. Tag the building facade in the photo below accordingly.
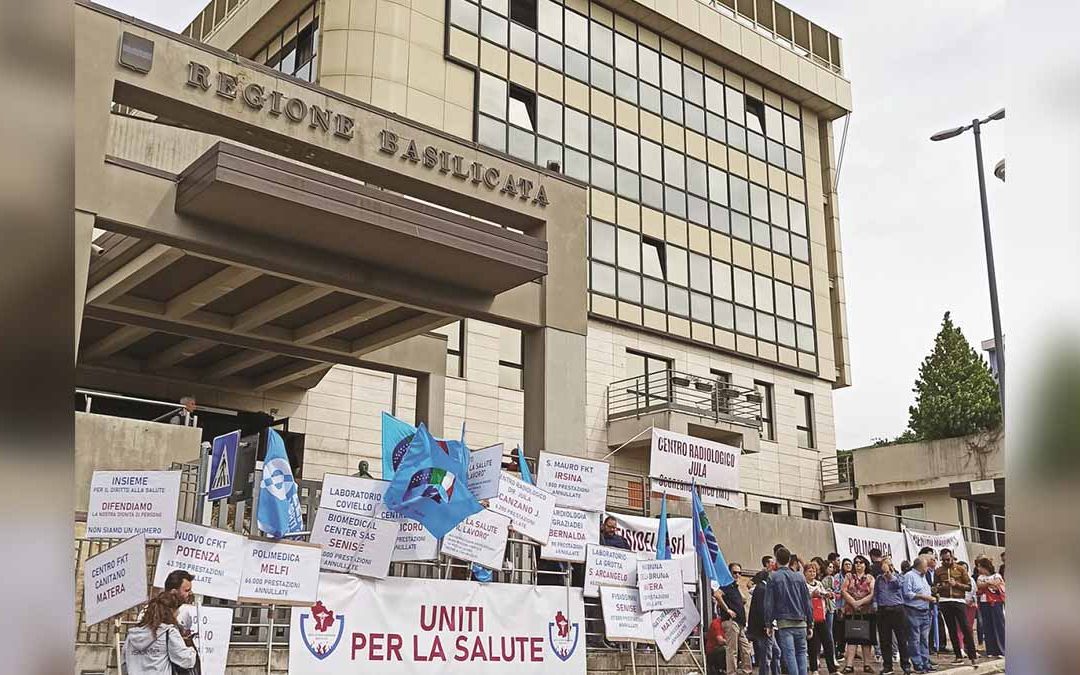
(713, 297)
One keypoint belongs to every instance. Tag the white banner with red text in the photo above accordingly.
(677, 460)
(852, 540)
(400, 625)
(641, 533)
(950, 539)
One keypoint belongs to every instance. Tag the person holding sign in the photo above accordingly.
(155, 646)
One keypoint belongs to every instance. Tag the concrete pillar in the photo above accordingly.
(84, 233)
(554, 378)
(431, 402)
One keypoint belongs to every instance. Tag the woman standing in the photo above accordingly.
(891, 618)
(838, 622)
(991, 606)
(829, 580)
(155, 645)
(858, 594)
(820, 599)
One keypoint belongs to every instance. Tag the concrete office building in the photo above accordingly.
(558, 223)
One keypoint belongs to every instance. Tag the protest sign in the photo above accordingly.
(641, 534)
(215, 629)
(677, 460)
(852, 540)
(280, 572)
(364, 497)
(399, 626)
(606, 566)
(485, 465)
(214, 557)
(115, 580)
(671, 627)
(624, 619)
(570, 531)
(950, 539)
(355, 544)
(660, 583)
(528, 507)
(480, 538)
(574, 482)
(126, 503)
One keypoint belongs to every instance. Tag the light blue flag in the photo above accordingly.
(396, 436)
(663, 550)
(708, 549)
(429, 486)
(279, 499)
(523, 467)
(481, 573)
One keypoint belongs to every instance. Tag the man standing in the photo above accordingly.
(609, 535)
(178, 582)
(732, 609)
(787, 601)
(917, 603)
(952, 584)
(184, 415)
(875, 562)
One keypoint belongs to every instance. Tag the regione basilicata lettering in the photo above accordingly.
(339, 125)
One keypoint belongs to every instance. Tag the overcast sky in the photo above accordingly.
(909, 209)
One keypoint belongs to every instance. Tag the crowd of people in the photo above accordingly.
(833, 612)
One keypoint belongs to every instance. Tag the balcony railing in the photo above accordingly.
(673, 391)
(838, 472)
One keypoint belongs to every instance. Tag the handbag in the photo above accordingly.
(856, 628)
(819, 609)
(177, 670)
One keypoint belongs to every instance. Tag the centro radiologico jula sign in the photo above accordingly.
(402, 625)
(297, 111)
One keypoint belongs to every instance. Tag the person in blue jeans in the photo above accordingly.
(766, 663)
(787, 602)
(918, 601)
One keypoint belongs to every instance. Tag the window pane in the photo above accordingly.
(699, 272)
(740, 194)
(721, 279)
(776, 154)
(577, 31)
(629, 286)
(718, 186)
(602, 76)
(785, 305)
(650, 98)
(491, 133)
(603, 279)
(626, 145)
(716, 127)
(719, 218)
(794, 162)
(740, 226)
(781, 241)
(763, 298)
(653, 293)
(549, 114)
(736, 136)
(649, 64)
(803, 308)
(714, 95)
(678, 301)
(577, 165)
(577, 65)
(626, 86)
(676, 265)
(603, 175)
(797, 214)
(625, 54)
(493, 27)
(697, 210)
(601, 47)
(627, 184)
(778, 209)
(652, 193)
(693, 86)
(759, 202)
(695, 118)
(635, 364)
(522, 144)
(760, 234)
(724, 314)
(510, 345)
(550, 19)
(522, 40)
(518, 113)
(509, 377)
(785, 332)
(675, 201)
(755, 115)
(493, 96)
(603, 139)
(755, 145)
(744, 288)
(500, 6)
(651, 159)
(629, 250)
(465, 14)
(766, 327)
(672, 75)
(792, 132)
(734, 101)
(546, 151)
(673, 108)
(603, 241)
(674, 168)
(550, 53)
(651, 260)
(744, 320)
(577, 129)
(800, 248)
(700, 308)
(774, 124)
(805, 334)
(697, 177)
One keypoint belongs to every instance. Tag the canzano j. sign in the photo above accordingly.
(340, 125)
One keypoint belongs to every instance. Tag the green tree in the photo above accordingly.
(955, 393)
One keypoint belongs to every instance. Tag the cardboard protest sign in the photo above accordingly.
(571, 531)
(624, 618)
(214, 557)
(660, 583)
(215, 630)
(126, 503)
(574, 482)
(641, 534)
(528, 507)
(671, 627)
(354, 544)
(280, 572)
(480, 538)
(606, 566)
(365, 497)
(115, 580)
(676, 461)
(485, 467)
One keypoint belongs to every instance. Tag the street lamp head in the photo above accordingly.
(999, 170)
(948, 133)
(999, 115)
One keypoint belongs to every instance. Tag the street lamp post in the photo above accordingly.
(995, 314)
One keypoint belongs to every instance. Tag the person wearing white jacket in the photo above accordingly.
(155, 645)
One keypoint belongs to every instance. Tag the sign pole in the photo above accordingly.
(202, 486)
(633, 660)
(119, 650)
(701, 610)
(270, 639)
(656, 654)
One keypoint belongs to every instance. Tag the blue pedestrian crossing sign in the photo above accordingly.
(223, 465)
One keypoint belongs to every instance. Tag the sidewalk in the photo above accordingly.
(983, 667)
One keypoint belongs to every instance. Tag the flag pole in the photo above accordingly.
(633, 661)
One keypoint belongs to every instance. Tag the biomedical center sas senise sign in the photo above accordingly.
(339, 125)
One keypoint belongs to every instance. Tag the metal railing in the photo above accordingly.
(674, 391)
(838, 471)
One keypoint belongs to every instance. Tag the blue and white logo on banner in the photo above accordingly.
(223, 465)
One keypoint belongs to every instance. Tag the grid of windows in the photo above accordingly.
(292, 50)
(623, 263)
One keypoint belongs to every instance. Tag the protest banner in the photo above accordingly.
(950, 539)
(214, 557)
(571, 531)
(485, 465)
(215, 629)
(574, 482)
(398, 626)
(280, 572)
(528, 507)
(677, 460)
(126, 503)
(364, 497)
(480, 538)
(641, 533)
(660, 583)
(624, 619)
(671, 627)
(354, 544)
(606, 566)
(115, 580)
(852, 540)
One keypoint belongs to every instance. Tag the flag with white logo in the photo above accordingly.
(279, 497)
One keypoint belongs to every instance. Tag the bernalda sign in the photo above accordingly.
(297, 111)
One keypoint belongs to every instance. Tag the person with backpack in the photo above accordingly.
(155, 645)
